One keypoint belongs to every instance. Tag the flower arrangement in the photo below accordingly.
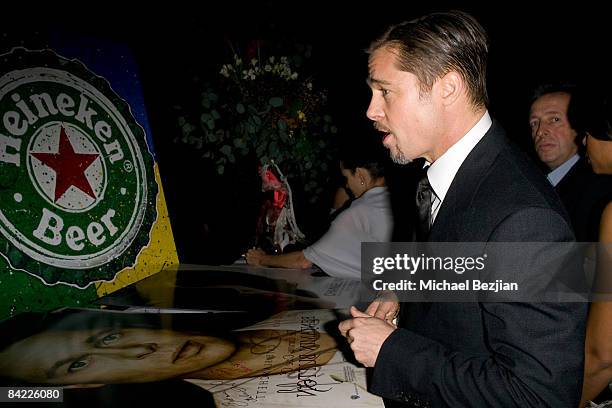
(265, 106)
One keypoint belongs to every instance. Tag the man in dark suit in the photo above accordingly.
(429, 98)
(557, 143)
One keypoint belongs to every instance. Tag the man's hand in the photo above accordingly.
(366, 335)
(385, 307)
(255, 256)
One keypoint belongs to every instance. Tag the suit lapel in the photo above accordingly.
(456, 205)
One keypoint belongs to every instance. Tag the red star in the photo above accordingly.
(69, 167)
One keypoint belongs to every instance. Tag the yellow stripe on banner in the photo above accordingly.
(160, 253)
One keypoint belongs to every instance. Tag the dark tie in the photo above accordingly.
(424, 197)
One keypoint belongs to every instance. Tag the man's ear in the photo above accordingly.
(450, 87)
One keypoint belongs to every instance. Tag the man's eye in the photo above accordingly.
(533, 124)
(384, 92)
(555, 119)
(78, 365)
(110, 339)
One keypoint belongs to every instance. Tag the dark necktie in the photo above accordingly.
(424, 198)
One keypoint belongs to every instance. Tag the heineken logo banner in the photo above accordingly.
(80, 194)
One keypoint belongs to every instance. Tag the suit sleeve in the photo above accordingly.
(534, 353)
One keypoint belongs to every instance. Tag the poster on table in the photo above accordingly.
(236, 359)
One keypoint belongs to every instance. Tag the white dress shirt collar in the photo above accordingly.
(557, 174)
(442, 172)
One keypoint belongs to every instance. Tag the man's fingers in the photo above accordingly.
(385, 309)
(349, 338)
(371, 310)
(358, 313)
(345, 326)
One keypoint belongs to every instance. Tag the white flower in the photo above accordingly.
(294, 75)
(267, 68)
(254, 61)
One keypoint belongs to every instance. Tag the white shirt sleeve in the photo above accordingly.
(338, 252)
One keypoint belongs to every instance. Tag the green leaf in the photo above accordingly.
(220, 169)
(205, 102)
(282, 125)
(240, 128)
(210, 123)
(215, 114)
(260, 150)
(334, 129)
(257, 120)
(226, 150)
(327, 118)
(240, 108)
(276, 102)
(187, 128)
(308, 165)
(273, 149)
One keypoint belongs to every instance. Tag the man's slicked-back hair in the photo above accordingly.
(433, 45)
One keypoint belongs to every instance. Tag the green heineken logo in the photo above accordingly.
(77, 188)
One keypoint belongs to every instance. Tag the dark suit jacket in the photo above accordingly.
(585, 195)
(489, 354)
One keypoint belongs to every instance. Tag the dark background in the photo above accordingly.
(213, 217)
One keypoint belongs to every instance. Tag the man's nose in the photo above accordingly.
(374, 111)
(538, 132)
(135, 351)
(541, 129)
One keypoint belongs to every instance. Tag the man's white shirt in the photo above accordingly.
(557, 174)
(442, 172)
